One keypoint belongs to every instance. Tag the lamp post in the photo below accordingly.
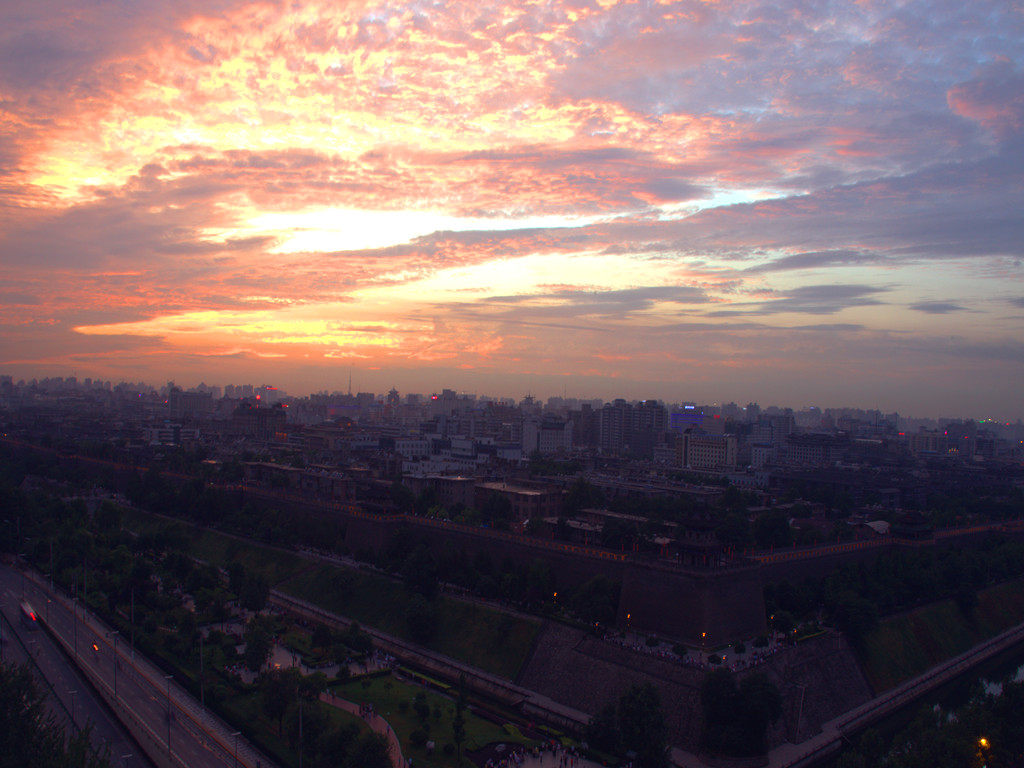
(236, 735)
(168, 678)
(703, 638)
(115, 633)
(73, 708)
(202, 688)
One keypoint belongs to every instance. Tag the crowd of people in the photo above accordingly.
(551, 753)
(739, 659)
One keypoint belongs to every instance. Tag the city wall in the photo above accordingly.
(700, 607)
(726, 604)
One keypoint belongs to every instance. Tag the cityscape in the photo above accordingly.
(685, 562)
(511, 384)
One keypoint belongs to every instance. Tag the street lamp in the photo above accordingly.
(115, 633)
(168, 678)
(202, 688)
(703, 637)
(73, 707)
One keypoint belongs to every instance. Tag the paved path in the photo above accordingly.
(375, 721)
(380, 725)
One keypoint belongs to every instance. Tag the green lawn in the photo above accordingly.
(221, 550)
(276, 565)
(904, 646)
(490, 640)
(387, 693)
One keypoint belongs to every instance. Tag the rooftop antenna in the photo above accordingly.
(350, 383)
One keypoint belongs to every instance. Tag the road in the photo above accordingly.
(166, 718)
(70, 695)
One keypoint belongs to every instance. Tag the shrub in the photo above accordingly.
(418, 737)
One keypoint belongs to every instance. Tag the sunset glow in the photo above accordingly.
(687, 200)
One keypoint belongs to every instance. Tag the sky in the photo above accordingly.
(798, 203)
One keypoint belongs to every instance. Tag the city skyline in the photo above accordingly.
(253, 393)
(699, 201)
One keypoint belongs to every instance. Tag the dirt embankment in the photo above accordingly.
(819, 680)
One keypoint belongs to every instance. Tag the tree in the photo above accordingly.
(736, 718)
(855, 617)
(236, 576)
(761, 705)
(358, 640)
(602, 732)
(419, 703)
(322, 636)
(314, 720)
(255, 592)
(718, 699)
(617, 533)
(581, 494)
(772, 530)
(496, 510)
(277, 690)
(31, 735)
(597, 600)
(459, 721)
(735, 529)
(421, 618)
(635, 724)
(258, 642)
(369, 751)
(642, 727)
(420, 573)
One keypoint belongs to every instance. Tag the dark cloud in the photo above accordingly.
(629, 299)
(937, 307)
(18, 298)
(808, 299)
(817, 259)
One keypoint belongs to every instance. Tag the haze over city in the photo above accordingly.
(689, 201)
